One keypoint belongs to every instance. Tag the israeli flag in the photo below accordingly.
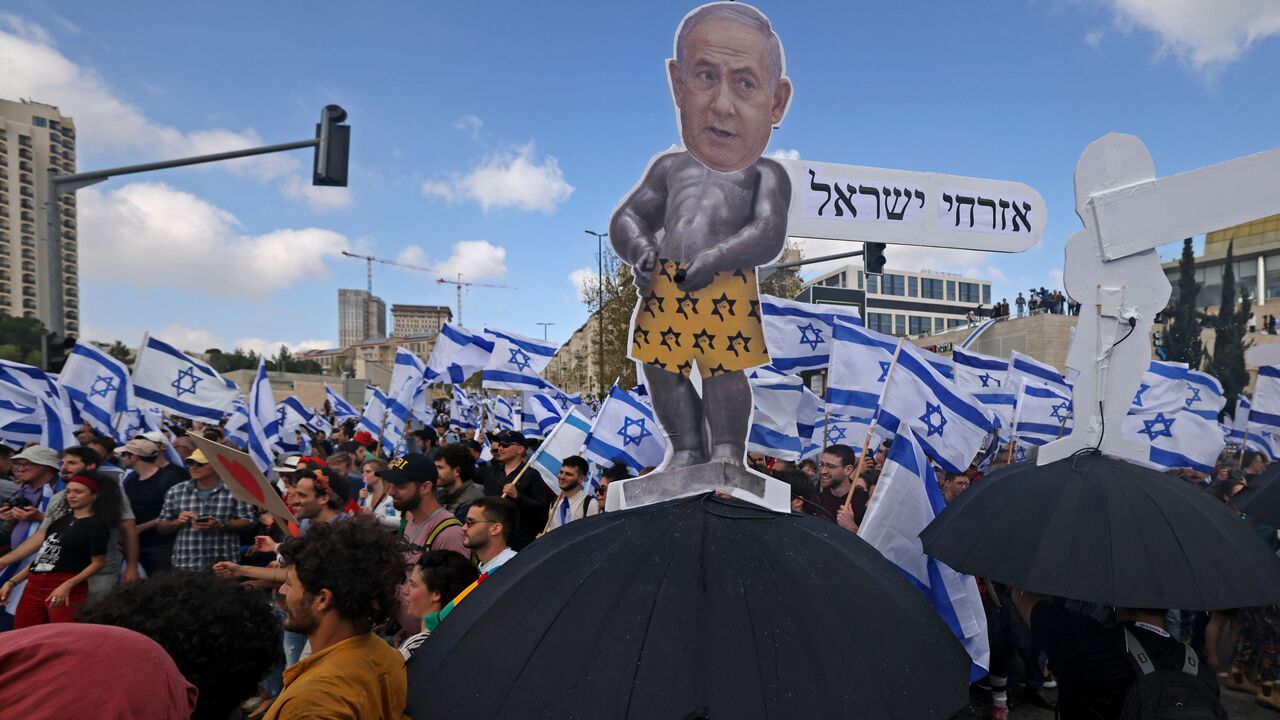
(906, 500)
(1028, 370)
(1240, 421)
(798, 335)
(56, 428)
(528, 423)
(407, 378)
(1163, 389)
(457, 355)
(342, 410)
(264, 422)
(776, 400)
(236, 429)
(808, 415)
(837, 430)
(975, 372)
(1178, 439)
(545, 411)
(462, 410)
(625, 430)
(503, 413)
(517, 361)
(860, 362)
(1204, 395)
(294, 422)
(1265, 444)
(98, 386)
(949, 424)
(1042, 415)
(376, 414)
(21, 415)
(564, 439)
(1265, 413)
(166, 379)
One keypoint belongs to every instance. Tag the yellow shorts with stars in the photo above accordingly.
(718, 326)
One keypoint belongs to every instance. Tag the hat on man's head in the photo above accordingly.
(364, 437)
(510, 436)
(410, 468)
(154, 436)
(197, 456)
(141, 447)
(39, 455)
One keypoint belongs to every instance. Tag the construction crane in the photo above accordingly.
(459, 282)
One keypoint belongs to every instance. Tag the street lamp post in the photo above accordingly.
(544, 328)
(599, 305)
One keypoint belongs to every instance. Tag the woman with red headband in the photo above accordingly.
(72, 549)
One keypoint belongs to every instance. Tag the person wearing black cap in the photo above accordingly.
(506, 477)
(424, 523)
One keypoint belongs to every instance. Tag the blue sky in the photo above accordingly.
(488, 136)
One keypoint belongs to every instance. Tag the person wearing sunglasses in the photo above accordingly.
(206, 518)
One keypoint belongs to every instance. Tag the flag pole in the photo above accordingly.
(866, 442)
(1243, 444)
(1013, 443)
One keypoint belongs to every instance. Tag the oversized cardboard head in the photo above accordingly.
(729, 84)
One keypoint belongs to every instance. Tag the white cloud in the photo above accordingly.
(319, 199)
(1205, 34)
(196, 340)
(31, 67)
(785, 154)
(507, 180)
(473, 259)
(583, 279)
(151, 236)
(471, 125)
(271, 348)
(1094, 39)
(970, 263)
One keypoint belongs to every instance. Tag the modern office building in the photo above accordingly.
(900, 302)
(361, 317)
(38, 278)
(411, 320)
(1255, 259)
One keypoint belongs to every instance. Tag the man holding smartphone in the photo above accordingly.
(207, 518)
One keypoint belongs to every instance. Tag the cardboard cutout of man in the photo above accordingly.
(699, 223)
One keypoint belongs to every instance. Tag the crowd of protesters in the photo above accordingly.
(328, 611)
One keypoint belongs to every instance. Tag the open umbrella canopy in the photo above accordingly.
(693, 608)
(1094, 528)
(1261, 499)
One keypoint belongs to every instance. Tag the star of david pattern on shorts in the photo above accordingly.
(718, 328)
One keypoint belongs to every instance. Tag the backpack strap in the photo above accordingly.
(1190, 662)
(1139, 655)
(435, 533)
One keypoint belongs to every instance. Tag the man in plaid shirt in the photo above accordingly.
(206, 516)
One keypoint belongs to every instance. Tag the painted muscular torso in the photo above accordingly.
(704, 207)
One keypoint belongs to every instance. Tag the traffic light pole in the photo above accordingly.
(60, 184)
(810, 261)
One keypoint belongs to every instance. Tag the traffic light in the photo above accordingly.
(873, 258)
(333, 148)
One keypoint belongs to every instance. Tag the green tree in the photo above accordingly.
(1184, 344)
(238, 360)
(1230, 327)
(21, 339)
(785, 283)
(121, 352)
(614, 298)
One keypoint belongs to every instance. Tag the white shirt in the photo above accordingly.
(385, 513)
(497, 561)
(579, 507)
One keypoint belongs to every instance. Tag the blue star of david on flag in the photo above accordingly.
(188, 373)
(987, 379)
(561, 399)
(1137, 399)
(835, 434)
(1195, 395)
(1149, 427)
(519, 358)
(103, 385)
(884, 370)
(811, 336)
(1061, 411)
(633, 438)
(930, 410)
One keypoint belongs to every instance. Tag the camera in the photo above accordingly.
(17, 503)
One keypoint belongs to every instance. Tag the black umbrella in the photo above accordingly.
(692, 608)
(1260, 500)
(1095, 528)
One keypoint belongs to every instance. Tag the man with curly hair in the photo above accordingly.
(342, 580)
(223, 638)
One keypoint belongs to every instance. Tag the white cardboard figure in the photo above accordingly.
(1113, 271)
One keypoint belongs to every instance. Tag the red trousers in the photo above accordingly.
(34, 608)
